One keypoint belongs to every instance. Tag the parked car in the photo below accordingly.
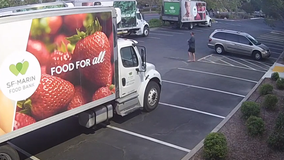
(223, 40)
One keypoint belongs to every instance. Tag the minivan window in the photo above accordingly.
(253, 40)
(231, 37)
(219, 35)
(244, 40)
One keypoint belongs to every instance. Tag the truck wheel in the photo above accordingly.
(152, 96)
(8, 153)
(210, 23)
(146, 31)
(190, 27)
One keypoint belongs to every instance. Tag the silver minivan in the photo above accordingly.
(223, 40)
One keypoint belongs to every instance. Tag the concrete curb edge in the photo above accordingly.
(223, 122)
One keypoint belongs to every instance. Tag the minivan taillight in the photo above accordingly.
(210, 39)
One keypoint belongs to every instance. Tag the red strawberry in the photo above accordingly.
(91, 45)
(43, 69)
(51, 25)
(39, 50)
(73, 22)
(59, 39)
(22, 120)
(80, 98)
(101, 93)
(51, 97)
(60, 57)
(110, 39)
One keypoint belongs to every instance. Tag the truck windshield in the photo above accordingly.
(253, 40)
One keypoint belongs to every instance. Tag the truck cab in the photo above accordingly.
(142, 24)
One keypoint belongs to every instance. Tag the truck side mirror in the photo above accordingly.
(143, 57)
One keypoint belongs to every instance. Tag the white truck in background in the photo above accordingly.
(100, 75)
(185, 13)
(132, 20)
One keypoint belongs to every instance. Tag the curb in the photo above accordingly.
(222, 123)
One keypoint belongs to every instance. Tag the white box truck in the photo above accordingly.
(185, 13)
(63, 62)
(132, 20)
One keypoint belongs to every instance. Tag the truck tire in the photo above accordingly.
(152, 96)
(146, 31)
(210, 23)
(8, 153)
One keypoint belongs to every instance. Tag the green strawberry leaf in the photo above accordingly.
(91, 27)
(26, 107)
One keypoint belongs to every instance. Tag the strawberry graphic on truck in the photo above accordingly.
(70, 63)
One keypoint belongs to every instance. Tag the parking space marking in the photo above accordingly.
(162, 34)
(216, 74)
(234, 66)
(226, 62)
(23, 152)
(167, 32)
(148, 138)
(254, 64)
(204, 57)
(154, 37)
(193, 110)
(239, 63)
(204, 88)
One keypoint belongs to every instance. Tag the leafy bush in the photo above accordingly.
(266, 89)
(250, 108)
(279, 125)
(276, 140)
(280, 83)
(255, 126)
(155, 23)
(270, 102)
(215, 146)
(274, 76)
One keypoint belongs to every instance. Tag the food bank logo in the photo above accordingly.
(20, 67)
(20, 74)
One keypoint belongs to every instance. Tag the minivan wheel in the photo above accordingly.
(219, 49)
(257, 55)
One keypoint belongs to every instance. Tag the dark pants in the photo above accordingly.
(192, 50)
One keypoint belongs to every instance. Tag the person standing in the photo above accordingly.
(191, 49)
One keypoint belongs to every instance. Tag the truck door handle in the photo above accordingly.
(123, 81)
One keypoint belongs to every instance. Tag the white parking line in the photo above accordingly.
(154, 37)
(204, 57)
(204, 88)
(254, 64)
(23, 152)
(235, 66)
(193, 110)
(167, 32)
(149, 138)
(239, 63)
(226, 62)
(170, 35)
(216, 74)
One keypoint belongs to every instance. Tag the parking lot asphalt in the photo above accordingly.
(195, 98)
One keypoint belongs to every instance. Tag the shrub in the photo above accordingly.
(266, 89)
(155, 23)
(250, 108)
(280, 83)
(276, 140)
(270, 102)
(255, 126)
(274, 76)
(279, 124)
(215, 146)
